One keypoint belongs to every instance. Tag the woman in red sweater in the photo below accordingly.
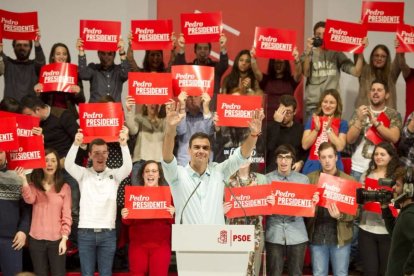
(149, 239)
(51, 216)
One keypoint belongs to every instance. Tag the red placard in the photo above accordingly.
(237, 111)
(274, 43)
(372, 185)
(252, 200)
(193, 79)
(340, 191)
(30, 155)
(344, 36)
(372, 133)
(147, 202)
(293, 199)
(150, 88)
(19, 26)
(382, 16)
(25, 123)
(100, 35)
(201, 27)
(58, 77)
(8, 134)
(322, 135)
(101, 120)
(405, 36)
(151, 34)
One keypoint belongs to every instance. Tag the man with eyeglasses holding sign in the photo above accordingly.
(200, 179)
(98, 186)
(286, 236)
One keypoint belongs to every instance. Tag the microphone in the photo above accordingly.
(188, 199)
(236, 199)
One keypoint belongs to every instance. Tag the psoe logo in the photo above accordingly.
(222, 237)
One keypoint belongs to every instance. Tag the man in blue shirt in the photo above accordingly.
(201, 180)
(286, 236)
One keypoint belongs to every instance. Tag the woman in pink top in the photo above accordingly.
(51, 216)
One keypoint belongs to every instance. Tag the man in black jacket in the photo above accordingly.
(401, 258)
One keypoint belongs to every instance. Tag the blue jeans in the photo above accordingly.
(98, 246)
(339, 257)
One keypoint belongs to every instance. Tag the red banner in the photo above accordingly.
(151, 34)
(58, 77)
(30, 155)
(340, 191)
(193, 79)
(8, 134)
(201, 27)
(100, 35)
(274, 43)
(237, 111)
(372, 133)
(101, 120)
(293, 199)
(372, 185)
(344, 36)
(382, 16)
(18, 26)
(150, 88)
(322, 135)
(25, 123)
(405, 36)
(147, 202)
(252, 200)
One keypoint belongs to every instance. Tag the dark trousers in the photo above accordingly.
(10, 259)
(276, 254)
(373, 250)
(45, 255)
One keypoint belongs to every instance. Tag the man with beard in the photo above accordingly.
(401, 258)
(202, 52)
(285, 130)
(378, 118)
(105, 78)
(200, 179)
(22, 73)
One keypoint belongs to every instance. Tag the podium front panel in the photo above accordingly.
(212, 238)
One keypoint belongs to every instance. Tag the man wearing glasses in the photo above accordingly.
(286, 236)
(98, 186)
(22, 73)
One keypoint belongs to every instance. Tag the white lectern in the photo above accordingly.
(210, 250)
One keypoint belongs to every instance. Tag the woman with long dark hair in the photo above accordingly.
(373, 238)
(149, 239)
(241, 77)
(51, 216)
(60, 54)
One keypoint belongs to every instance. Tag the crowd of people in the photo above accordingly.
(79, 195)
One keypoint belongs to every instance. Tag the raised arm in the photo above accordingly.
(173, 118)
(255, 127)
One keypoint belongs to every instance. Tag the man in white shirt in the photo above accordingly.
(98, 187)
